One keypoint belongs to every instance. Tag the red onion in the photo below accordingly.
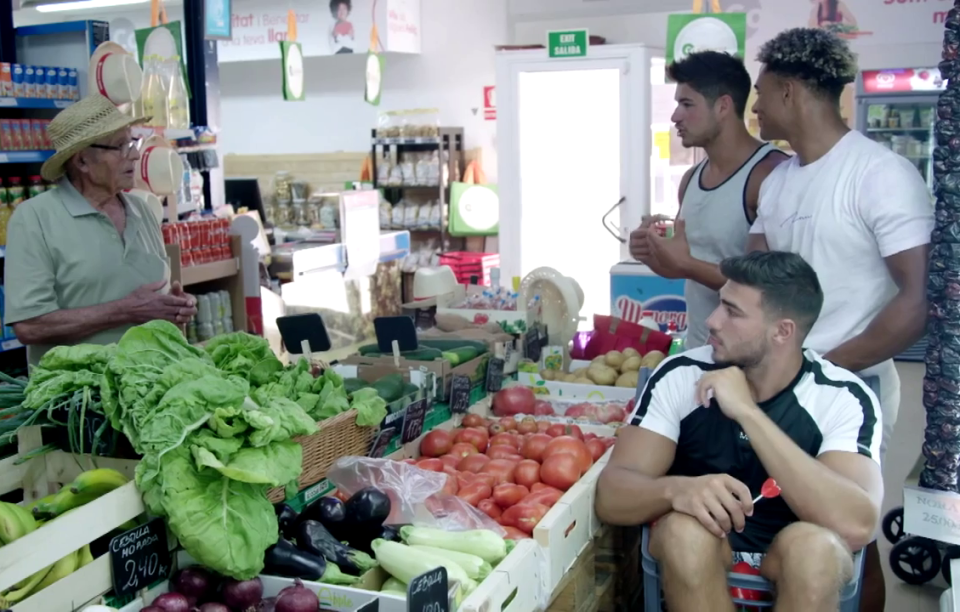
(196, 582)
(151, 609)
(214, 607)
(297, 598)
(242, 596)
(269, 604)
(172, 602)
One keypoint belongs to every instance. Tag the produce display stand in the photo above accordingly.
(41, 476)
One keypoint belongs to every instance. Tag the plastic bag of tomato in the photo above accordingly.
(519, 400)
(512, 470)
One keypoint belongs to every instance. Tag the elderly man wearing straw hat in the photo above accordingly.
(86, 261)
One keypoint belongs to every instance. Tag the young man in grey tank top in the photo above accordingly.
(718, 197)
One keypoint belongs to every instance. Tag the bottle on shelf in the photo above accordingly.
(154, 96)
(177, 99)
(676, 342)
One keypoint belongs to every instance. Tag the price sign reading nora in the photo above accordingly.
(140, 557)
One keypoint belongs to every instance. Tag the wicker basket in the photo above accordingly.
(338, 437)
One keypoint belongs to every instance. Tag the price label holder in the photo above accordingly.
(413, 421)
(495, 374)
(532, 345)
(931, 514)
(303, 330)
(428, 592)
(395, 329)
(379, 447)
(459, 394)
(371, 606)
(140, 557)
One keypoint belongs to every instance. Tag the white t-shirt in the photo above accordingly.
(844, 214)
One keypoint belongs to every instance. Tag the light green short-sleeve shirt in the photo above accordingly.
(63, 254)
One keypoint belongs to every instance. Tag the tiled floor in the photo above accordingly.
(901, 456)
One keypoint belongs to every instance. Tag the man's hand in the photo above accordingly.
(720, 502)
(639, 243)
(146, 303)
(672, 254)
(731, 390)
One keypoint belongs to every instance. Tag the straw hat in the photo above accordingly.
(80, 125)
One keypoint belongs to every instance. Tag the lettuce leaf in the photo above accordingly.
(246, 355)
(278, 419)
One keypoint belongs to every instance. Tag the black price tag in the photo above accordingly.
(494, 374)
(531, 344)
(382, 441)
(413, 421)
(429, 592)
(394, 419)
(372, 606)
(459, 394)
(140, 557)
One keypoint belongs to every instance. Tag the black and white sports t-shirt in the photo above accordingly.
(825, 408)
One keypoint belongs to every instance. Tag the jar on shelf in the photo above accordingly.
(300, 216)
(330, 214)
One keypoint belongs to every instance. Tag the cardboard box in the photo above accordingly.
(475, 369)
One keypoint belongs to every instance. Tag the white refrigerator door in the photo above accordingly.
(574, 138)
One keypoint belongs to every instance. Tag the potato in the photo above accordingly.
(630, 352)
(569, 378)
(598, 359)
(580, 372)
(583, 381)
(652, 359)
(628, 379)
(548, 374)
(631, 364)
(613, 359)
(602, 375)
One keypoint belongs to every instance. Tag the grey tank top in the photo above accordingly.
(717, 228)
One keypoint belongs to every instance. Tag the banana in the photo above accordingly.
(41, 508)
(16, 595)
(84, 557)
(15, 522)
(98, 482)
(61, 569)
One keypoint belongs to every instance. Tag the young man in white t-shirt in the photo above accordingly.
(860, 214)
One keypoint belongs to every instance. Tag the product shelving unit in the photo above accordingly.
(214, 276)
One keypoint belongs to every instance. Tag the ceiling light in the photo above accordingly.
(85, 4)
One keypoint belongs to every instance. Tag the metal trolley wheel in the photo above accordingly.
(915, 560)
(893, 525)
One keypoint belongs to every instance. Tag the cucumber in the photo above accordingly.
(351, 385)
(389, 387)
(460, 355)
(421, 353)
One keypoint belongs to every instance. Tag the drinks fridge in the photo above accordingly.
(897, 108)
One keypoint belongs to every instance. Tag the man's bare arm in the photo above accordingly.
(632, 489)
(757, 242)
(901, 322)
(68, 326)
(841, 491)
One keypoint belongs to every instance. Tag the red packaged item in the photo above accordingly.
(26, 130)
(224, 232)
(169, 233)
(225, 253)
(613, 334)
(211, 254)
(17, 133)
(6, 135)
(39, 134)
(186, 258)
(46, 134)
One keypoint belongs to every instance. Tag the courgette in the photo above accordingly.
(352, 385)
(389, 387)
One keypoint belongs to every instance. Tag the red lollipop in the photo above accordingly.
(769, 490)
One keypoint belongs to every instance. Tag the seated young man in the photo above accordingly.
(714, 423)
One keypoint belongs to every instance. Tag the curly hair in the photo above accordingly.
(818, 58)
(713, 74)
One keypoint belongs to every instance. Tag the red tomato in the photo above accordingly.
(488, 479)
(527, 426)
(490, 508)
(515, 458)
(561, 471)
(534, 446)
(450, 460)
(589, 436)
(474, 420)
(501, 469)
(507, 494)
(508, 423)
(437, 442)
(501, 451)
(341, 495)
(495, 429)
(514, 534)
(539, 487)
(524, 517)
(513, 400)
(562, 429)
(473, 463)
(465, 479)
(608, 442)
(573, 446)
(476, 436)
(597, 448)
(452, 487)
(433, 465)
(474, 493)
(542, 408)
(463, 449)
(527, 473)
(543, 426)
(409, 461)
(548, 496)
(504, 438)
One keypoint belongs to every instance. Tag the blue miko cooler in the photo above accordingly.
(636, 293)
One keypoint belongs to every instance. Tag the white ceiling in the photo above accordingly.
(522, 10)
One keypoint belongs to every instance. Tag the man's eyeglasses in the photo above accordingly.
(125, 148)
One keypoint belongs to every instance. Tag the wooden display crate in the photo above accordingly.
(618, 567)
(39, 477)
(514, 586)
(577, 589)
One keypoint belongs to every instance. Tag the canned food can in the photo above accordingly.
(186, 258)
(225, 232)
(225, 253)
(169, 233)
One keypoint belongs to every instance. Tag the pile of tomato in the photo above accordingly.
(514, 471)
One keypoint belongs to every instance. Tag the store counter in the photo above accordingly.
(636, 292)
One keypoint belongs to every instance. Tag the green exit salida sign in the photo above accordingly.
(568, 43)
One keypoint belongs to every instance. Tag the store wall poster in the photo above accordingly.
(217, 20)
(634, 298)
(688, 33)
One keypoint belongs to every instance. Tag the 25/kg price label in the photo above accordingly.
(140, 557)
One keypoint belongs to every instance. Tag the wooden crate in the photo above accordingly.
(577, 590)
(41, 476)
(618, 558)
